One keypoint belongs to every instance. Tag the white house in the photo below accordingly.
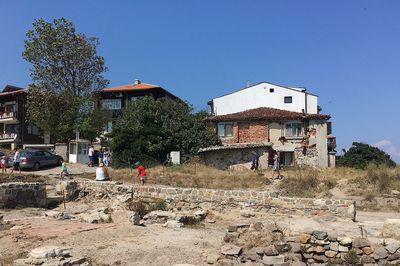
(265, 94)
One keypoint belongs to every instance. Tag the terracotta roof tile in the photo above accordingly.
(265, 113)
(131, 87)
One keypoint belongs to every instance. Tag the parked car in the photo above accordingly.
(35, 159)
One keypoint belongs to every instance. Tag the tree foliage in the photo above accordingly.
(361, 154)
(65, 72)
(151, 128)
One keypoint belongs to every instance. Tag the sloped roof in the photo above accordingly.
(265, 113)
(297, 89)
(9, 90)
(132, 87)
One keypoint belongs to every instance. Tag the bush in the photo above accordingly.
(351, 258)
(361, 154)
(382, 178)
(142, 208)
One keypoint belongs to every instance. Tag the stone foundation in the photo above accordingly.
(22, 194)
(191, 198)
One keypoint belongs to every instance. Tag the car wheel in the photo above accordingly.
(59, 162)
(36, 166)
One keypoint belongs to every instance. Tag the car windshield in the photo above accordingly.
(25, 153)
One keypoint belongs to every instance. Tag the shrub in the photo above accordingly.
(361, 154)
(351, 258)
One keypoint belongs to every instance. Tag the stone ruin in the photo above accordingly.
(266, 244)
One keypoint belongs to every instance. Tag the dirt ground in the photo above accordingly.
(120, 243)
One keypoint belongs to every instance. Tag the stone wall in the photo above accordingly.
(235, 158)
(310, 158)
(191, 198)
(22, 194)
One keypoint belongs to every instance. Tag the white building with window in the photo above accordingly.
(265, 94)
(271, 118)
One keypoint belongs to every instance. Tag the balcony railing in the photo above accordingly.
(8, 135)
(5, 115)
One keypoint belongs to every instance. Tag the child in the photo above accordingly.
(3, 163)
(141, 172)
(64, 170)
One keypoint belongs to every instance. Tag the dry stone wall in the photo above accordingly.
(191, 198)
(22, 194)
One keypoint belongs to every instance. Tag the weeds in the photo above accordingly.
(142, 208)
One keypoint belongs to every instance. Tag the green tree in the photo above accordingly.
(65, 72)
(151, 128)
(361, 154)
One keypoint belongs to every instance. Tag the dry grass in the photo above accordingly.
(192, 175)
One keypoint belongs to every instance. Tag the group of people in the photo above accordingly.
(102, 173)
(4, 161)
(255, 164)
(103, 156)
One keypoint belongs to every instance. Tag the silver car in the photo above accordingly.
(35, 159)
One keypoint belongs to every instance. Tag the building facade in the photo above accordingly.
(266, 118)
(265, 94)
(117, 99)
(15, 131)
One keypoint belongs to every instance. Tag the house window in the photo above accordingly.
(225, 130)
(271, 90)
(111, 104)
(293, 130)
(288, 99)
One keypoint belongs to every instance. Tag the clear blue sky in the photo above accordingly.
(347, 52)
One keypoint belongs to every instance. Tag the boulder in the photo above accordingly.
(159, 217)
(367, 250)
(320, 235)
(359, 242)
(273, 260)
(367, 259)
(330, 253)
(99, 215)
(320, 258)
(345, 241)
(270, 251)
(304, 238)
(134, 218)
(200, 214)
(47, 252)
(343, 249)
(392, 247)
(173, 224)
(334, 246)
(251, 254)
(295, 247)
(395, 256)
(247, 213)
(231, 250)
(380, 253)
(231, 237)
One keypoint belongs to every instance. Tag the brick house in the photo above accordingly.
(115, 100)
(267, 117)
(14, 130)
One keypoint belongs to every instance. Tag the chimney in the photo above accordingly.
(137, 81)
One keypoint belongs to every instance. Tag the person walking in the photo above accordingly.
(16, 164)
(276, 167)
(141, 172)
(100, 154)
(106, 157)
(255, 161)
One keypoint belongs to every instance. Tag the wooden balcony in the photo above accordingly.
(8, 137)
(8, 118)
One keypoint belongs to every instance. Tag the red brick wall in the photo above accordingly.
(248, 132)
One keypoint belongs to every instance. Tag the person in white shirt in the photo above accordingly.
(91, 156)
(16, 162)
(102, 173)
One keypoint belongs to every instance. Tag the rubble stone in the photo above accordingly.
(273, 260)
(345, 241)
(380, 253)
(320, 235)
(304, 238)
(367, 250)
(231, 250)
(360, 242)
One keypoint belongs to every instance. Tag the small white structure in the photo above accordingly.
(265, 94)
(78, 151)
(175, 157)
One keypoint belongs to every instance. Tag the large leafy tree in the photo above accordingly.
(361, 154)
(151, 128)
(65, 72)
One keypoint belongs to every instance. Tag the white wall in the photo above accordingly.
(260, 96)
